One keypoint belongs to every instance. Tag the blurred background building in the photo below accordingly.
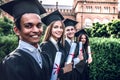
(85, 12)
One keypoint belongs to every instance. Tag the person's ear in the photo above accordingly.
(17, 31)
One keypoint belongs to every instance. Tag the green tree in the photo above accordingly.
(94, 31)
(111, 29)
(114, 28)
(6, 26)
(103, 31)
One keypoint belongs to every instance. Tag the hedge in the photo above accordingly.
(106, 56)
(106, 59)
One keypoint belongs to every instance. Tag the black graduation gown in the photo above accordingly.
(85, 73)
(0, 71)
(50, 49)
(79, 68)
(20, 65)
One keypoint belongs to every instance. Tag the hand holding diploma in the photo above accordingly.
(67, 68)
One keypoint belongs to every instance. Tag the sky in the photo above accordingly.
(60, 2)
(65, 2)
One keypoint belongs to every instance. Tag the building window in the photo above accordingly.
(106, 9)
(96, 20)
(105, 21)
(88, 8)
(98, 9)
(88, 22)
(113, 9)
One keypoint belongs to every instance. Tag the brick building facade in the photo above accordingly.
(90, 11)
(86, 12)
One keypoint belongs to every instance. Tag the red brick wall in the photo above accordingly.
(81, 13)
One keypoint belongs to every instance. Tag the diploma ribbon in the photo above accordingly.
(57, 69)
(72, 54)
(80, 50)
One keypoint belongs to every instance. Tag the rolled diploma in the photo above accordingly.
(80, 47)
(56, 66)
(71, 53)
(89, 51)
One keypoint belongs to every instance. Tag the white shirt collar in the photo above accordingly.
(54, 42)
(26, 46)
(69, 40)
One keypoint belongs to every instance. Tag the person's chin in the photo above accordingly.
(35, 41)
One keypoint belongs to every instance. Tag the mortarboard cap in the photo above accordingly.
(17, 8)
(56, 15)
(82, 31)
(70, 22)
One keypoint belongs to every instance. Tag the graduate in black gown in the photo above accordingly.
(0, 71)
(26, 62)
(69, 39)
(83, 37)
(53, 42)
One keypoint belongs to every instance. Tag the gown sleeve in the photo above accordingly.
(12, 68)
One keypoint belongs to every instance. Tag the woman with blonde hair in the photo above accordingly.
(53, 42)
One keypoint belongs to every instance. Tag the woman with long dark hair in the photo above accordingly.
(83, 37)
